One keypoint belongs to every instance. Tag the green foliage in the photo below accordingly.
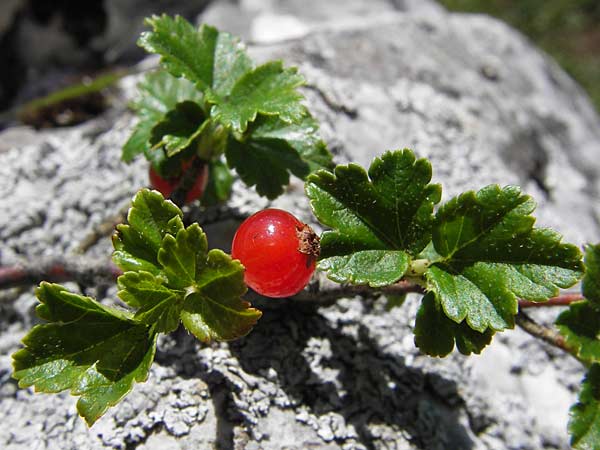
(584, 425)
(95, 351)
(252, 114)
(150, 219)
(156, 303)
(591, 279)
(580, 325)
(179, 128)
(220, 182)
(158, 93)
(269, 89)
(491, 255)
(475, 257)
(170, 274)
(283, 148)
(380, 220)
(435, 333)
(212, 60)
(169, 277)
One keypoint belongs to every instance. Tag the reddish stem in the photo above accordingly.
(57, 270)
(560, 300)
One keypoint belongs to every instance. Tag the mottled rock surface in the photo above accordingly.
(465, 91)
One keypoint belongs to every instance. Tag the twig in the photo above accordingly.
(210, 215)
(101, 230)
(561, 300)
(329, 295)
(75, 269)
(544, 333)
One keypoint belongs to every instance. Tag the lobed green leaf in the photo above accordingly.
(580, 325)
(490, 255)
(272, 149)
(591, 280)
(179, 128)
(158, 93)
(269, 89)
(156, 303)
(379, 220)
(436, 334)
(213, 61)
(215, 310)
(186, 281)
(150, 218)
(183, 257)
(96, 352)
(584, 423)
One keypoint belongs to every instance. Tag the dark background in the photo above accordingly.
(48, 45)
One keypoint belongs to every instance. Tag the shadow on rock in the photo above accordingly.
(339, 368)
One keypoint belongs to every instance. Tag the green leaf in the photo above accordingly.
(584, 424)
(264, 163)
(272, 149)
(379, 220)
(158, 93)
(302, 136)
(210, 59)
(179, 128)
(394, 301)
(269, 89)
(377, 268)
(436, 334)
(157, 304)
(214, 310)
(591, 279)
(580, 325)
(183, 257)
(491, 255)
(96, 352)
(220, 182)
(150, 218)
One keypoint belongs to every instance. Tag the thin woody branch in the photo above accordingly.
(560, 300)
(102, 230)
(328, 295)
(544, 333)
(58, 270)
(79, 269)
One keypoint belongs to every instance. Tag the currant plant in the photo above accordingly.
(473, 258)
(209, 101)
(580, 325)
(169, 278)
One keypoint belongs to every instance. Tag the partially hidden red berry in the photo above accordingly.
(278, 251)
(166, 186)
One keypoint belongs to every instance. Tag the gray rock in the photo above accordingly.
(465, 91)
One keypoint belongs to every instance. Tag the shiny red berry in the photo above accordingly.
(166, 186)
(278, 251)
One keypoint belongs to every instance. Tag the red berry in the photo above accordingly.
(278, 251)
(166, 186)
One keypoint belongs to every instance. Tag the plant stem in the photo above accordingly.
(325, 296)
(101, 230)
(58, 270)
(544, 333)
(561, 300)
